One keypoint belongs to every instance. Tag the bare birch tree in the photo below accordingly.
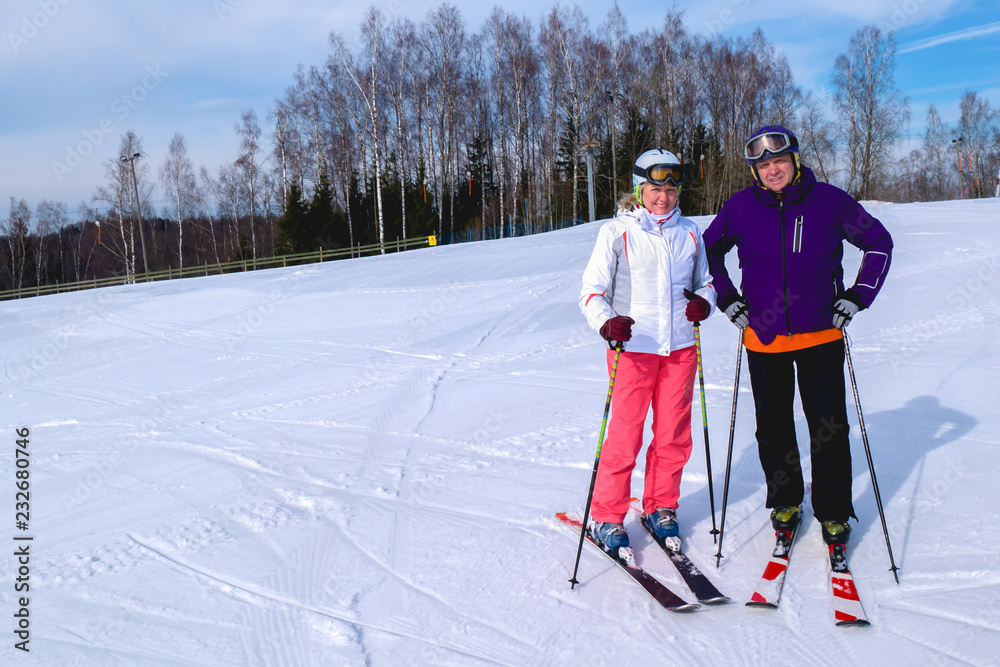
(248, 130)
(366, 81)
(571, 34)
(480, 117)
(495, 30)
(444, 43)
(208, 203)
(177, 178)
(620, 45)
(735, 99)
(554, 85)
(398, 64)
(16, 230)
(229, 194)
(871, 110)
(283, 145)
(786, 97)
(347, 125)
(935, 156)
(817, 147)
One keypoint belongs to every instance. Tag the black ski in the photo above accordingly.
(649, 583)
(699, 584)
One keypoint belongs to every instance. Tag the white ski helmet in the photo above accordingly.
(658, 167)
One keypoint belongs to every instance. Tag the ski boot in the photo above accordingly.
(836, 532)
(785, 518)
(611, 536)
(663, 525)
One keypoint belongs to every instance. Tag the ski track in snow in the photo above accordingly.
(359, 463)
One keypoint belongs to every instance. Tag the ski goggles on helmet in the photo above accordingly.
(770, 142)
(661, 174)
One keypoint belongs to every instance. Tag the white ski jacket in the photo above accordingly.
(640, 268)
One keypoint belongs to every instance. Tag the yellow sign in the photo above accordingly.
(432, 240)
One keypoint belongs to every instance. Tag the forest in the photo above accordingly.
(412, 129)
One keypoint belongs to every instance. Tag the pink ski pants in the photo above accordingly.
(642, 380)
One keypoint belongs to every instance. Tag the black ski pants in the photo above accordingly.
(820, 374)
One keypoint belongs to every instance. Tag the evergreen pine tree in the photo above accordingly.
(318, 230)
(290, 225)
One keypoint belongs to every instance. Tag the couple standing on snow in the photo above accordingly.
(652, 275)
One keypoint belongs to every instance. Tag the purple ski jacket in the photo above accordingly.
(790, 250)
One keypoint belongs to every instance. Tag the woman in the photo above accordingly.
(646, 282)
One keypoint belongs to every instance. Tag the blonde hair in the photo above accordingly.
(627, 202)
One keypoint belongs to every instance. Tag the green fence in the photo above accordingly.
(226, 267)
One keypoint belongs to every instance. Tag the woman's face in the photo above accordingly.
(659, 199)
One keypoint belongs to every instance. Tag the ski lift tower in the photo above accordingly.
(958, 152)
(589, 150)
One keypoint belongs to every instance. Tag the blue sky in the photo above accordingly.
(76, 75)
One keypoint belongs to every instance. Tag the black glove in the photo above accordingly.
(738, 312)
(845, 306)
(617, 329)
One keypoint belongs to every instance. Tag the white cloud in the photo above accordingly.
(953, 85)
(967, 33)
(716, 16)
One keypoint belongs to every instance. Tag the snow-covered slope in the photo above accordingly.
(358, 463)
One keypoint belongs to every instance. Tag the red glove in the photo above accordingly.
(617, 329)
(697, 307)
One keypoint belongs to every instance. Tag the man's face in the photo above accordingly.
(659, 199)
(776, 172)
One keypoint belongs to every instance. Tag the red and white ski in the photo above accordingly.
(847, 609)
(768, 590)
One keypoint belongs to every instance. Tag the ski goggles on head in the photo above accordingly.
(770, 142)
(661, 174)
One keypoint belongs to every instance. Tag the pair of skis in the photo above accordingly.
(847, 609)
(846, 602)
(696, 581)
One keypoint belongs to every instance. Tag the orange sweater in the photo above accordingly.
(791, 343)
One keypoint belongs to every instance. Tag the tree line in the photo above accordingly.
(410, 129)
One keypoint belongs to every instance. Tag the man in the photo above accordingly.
(789, 230)
(646, 282)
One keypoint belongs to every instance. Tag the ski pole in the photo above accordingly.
(618, 347)
(704, 421)
(729, 455)
(868, 455)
